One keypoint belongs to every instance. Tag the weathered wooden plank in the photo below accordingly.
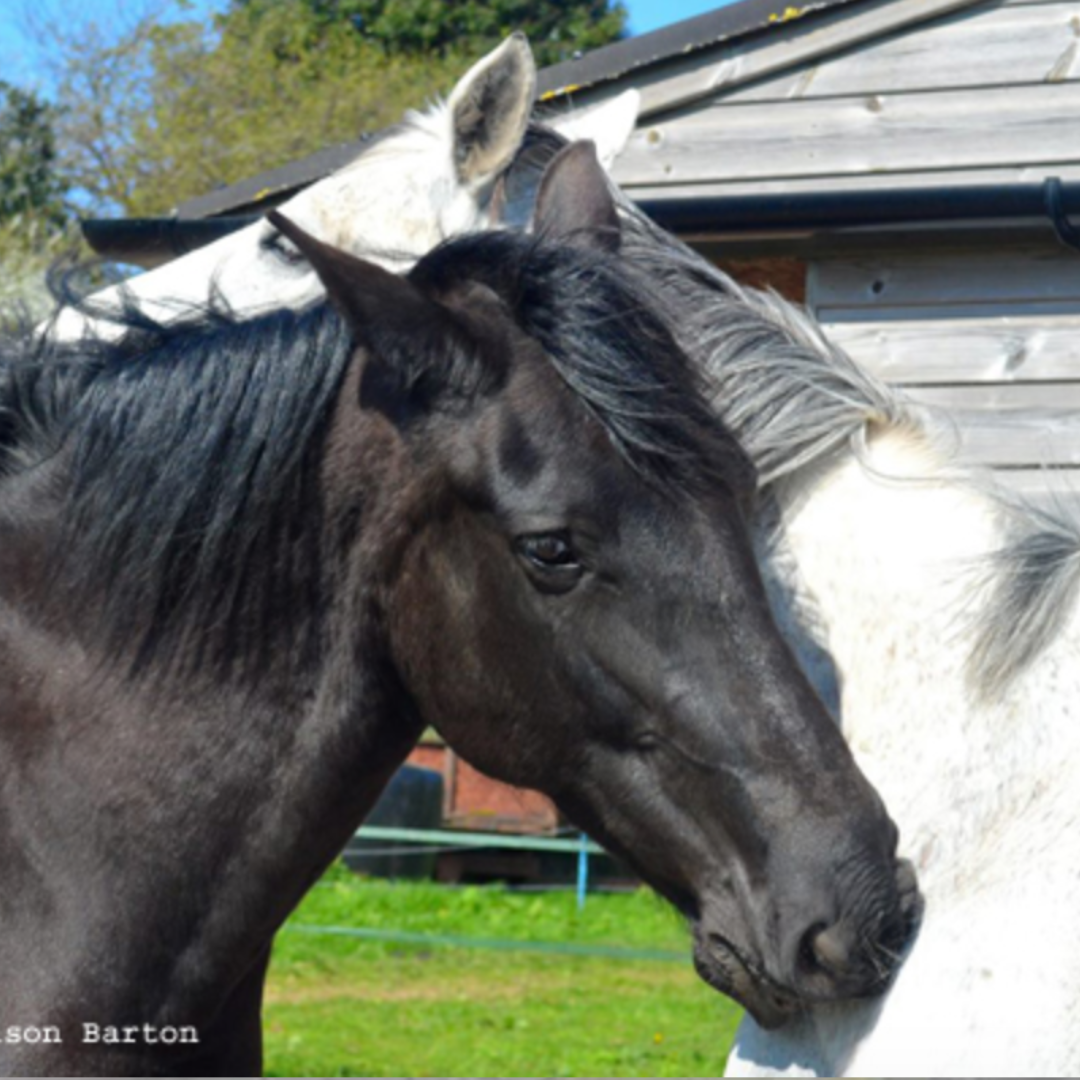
(1033, 439)
(1052, 488)
(860, 136)
(980, 47)
(1027, 349)
(899, 280)
(1001, 397)
(704, 73)
(1045, 437)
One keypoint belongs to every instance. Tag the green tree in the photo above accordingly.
(31, 187)
(557, 29)
(263, 89)
(32, 208)
(102, 69)
(169, 106)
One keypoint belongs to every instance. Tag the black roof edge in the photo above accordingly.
(146, 242)
(591, 69)
(275, 185)
(611, 62)
(149, 242)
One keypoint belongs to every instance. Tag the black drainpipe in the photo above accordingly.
(151, 241)
(1051, 201)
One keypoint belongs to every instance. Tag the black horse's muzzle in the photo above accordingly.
(853, 957)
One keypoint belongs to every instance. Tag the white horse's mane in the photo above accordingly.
(792, 397)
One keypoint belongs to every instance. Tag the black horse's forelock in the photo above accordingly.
(597, 326)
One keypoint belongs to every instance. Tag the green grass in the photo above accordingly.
(342, 1007)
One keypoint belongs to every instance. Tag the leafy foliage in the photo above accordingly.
(103, 75)
(32, 207)
(29, 182)
(168, 106)
(263, 90)
(556, 28)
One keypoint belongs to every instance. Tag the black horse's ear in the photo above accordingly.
(575, 203)
(373, 300)
(419, 351)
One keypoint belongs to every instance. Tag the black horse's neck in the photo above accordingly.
(245, 780)
(241, 800)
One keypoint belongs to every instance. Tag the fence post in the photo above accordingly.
(582, 871)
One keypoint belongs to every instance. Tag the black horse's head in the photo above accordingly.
(558, 549)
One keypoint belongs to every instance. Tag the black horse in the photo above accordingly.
(243, 564)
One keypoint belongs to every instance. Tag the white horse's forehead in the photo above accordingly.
(392, 205)
(402, 194)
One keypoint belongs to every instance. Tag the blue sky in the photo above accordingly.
(646, 15)
(15, 53)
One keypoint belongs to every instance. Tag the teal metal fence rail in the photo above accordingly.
(461, 840)
(555, 948)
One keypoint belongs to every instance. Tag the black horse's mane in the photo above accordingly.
(193, 448)
(192, 452)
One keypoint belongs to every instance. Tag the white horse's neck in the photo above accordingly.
(986, 793)
(889, 543)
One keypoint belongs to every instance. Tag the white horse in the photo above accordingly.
(431, 177)
(949, 609)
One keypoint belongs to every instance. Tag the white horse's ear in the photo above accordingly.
(489, 109)
(609, 125)
(574, 203)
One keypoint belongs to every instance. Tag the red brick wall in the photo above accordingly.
(784, 275)
(476, 801)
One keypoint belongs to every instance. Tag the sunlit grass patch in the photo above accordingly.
(342, 1007)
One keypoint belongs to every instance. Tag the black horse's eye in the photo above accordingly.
(547, 550)
(646, 741)
(551, 558)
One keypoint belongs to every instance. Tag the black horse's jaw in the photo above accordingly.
(724, 968)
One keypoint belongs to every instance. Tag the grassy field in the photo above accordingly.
(342, 1007)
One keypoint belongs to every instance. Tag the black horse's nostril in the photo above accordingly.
(911, 905)
(907, 884)
(826, 950)
(832, 950)
(855, 950)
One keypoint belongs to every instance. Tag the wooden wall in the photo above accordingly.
(992, 335)
(984, 93)
(990, 92)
